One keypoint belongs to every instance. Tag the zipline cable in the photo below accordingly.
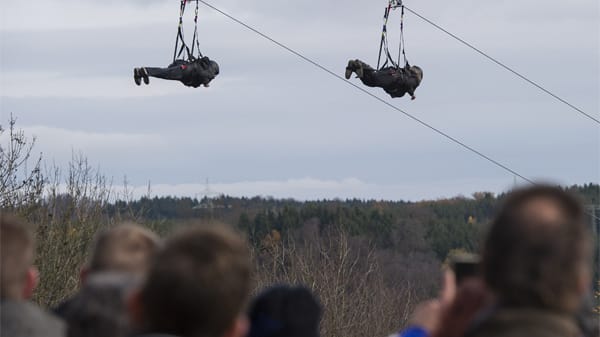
(496, 61)
(423, 123)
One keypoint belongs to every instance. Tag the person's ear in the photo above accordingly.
(31, 281)
(84, 272)
(240, 327)
(135, 308)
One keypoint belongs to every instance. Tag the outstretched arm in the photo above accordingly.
(411, 92)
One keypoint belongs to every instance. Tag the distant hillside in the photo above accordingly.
(436, 225)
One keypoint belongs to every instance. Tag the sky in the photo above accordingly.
(274, 125)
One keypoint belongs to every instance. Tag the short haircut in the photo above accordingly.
(17, 246)
(284, 311)
(529, 261)
(126, 248)
(199, 283)
(99, 309)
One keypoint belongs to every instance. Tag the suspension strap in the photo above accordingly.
(384, 36)
(178, 29)
(184, 47)
(384, 45)
(402, 46)
(195, 39)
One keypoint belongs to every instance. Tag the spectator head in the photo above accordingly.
(99, 309)
(126, 248)
(284, 311)
(198, 285)
(18, 277)
(537, 253)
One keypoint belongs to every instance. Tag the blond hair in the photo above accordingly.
(126, 248)
(17, 246)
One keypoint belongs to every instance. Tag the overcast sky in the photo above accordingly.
(272, 124)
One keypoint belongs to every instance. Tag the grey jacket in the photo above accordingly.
(526, 323)
(24, 319)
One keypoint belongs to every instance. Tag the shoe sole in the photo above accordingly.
(144, 74)
(136, 77)
(348, 73)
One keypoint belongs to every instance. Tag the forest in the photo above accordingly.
(433, 226)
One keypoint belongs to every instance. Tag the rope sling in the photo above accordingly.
(384, 49)
(194, 52)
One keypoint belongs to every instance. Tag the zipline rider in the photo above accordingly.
(193, 71)
(395, 80)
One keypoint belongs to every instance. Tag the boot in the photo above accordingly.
(349, 69)
(137, 78)
(358, 69)
(144, 75)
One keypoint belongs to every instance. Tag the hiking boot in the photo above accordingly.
(358, 69)
(348, 73)
(144, 75)
(349, 69)
(136, 76)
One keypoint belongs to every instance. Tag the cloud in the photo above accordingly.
(52, 15)
(66, 66)
(313, 189)
(59, 144)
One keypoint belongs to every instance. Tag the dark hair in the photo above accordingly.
(529, 261)
(284, 311)
(199, 283)
(99, 309)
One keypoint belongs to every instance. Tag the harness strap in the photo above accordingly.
(195, 39)
(384, 35)
(179, 50)
(401, 48)
(179, 35)
(384, 45)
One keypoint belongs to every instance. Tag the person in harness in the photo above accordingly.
(394, 80)
(193, 73)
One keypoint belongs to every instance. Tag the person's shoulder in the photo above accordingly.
(25, 319)
(524, 323)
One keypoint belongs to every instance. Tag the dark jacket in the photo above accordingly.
(525, 323)
(23, 319)
(405, 82)
(63, 307)
(200, 72)
(191, 73)
(394, 81)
